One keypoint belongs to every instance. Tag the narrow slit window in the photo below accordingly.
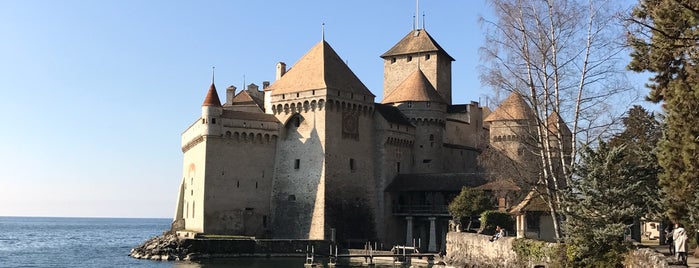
(297, 164)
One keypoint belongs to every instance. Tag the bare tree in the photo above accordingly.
(562, 57)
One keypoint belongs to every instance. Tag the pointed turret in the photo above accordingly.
(212, 97)
(414, 88)
(418, 48)
(319, 68)
(512, 108)
(211, 109)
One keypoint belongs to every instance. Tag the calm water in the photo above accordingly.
(95, 242)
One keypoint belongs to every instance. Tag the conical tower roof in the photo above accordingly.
(212, 97)
(512, 108)
(417, 41)
(554, 121)
(414, 88)
(320, 68)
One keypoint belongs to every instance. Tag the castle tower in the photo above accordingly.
(323, 176)
(513, 128)
(421, 103)
(418, 48)
(211, 110)
(222, 192)
(190, 205)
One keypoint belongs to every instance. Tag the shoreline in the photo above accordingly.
(171, 247)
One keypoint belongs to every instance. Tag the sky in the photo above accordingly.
(94, 95)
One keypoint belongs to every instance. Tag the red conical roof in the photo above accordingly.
(212, 97)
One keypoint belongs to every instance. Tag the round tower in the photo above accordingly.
(512, 128)
(422, 104)
(211, 111)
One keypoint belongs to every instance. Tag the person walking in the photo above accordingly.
(668, 239)
(679, 235)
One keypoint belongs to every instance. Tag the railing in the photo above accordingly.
(421, 210)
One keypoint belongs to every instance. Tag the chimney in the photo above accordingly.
(253, 87)
(281, 70)
(230, 93)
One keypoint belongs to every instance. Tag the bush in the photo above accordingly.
(492, 218)
(529, 251)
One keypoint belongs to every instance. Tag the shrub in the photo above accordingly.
(492, 218)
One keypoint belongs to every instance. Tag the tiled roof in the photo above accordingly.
(231, 114)
(244, 98)
(392, 114)
(534, 201)
(434, 182)
(552, 126)
(414, 88)
(416, 41)
(212, 97)
(512, 108)
(320, 68)
(501, 184)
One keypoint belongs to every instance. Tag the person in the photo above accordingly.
(668, 239)
(499, 232)
(679, 236)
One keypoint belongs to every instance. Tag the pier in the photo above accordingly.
(400, 255)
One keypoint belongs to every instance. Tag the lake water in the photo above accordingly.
(96, 242)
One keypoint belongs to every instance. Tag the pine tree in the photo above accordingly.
(642, 132)
(601, 202)
(664, 35)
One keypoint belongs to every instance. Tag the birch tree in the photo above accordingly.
(562, 56)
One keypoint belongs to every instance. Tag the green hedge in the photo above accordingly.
(492, 218)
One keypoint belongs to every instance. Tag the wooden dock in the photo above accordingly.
(398, 255)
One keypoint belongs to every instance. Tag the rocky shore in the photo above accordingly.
(170, 247)
(167, 247)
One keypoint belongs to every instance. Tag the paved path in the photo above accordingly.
(691, 260)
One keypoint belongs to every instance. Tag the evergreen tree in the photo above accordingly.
(602, 200)
(640, 137)
(468, 203)
(664, 35)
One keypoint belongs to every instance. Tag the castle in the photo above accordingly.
(314, 156)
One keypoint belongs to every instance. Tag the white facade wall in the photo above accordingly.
(298, 195)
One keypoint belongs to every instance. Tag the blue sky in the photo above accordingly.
(95, 94)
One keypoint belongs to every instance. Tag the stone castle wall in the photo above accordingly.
(298, 196)
(239, 184)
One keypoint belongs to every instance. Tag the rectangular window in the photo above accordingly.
(351, 163)
(264, 221)
(397, 167)
(297, 163)
(426, 161)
